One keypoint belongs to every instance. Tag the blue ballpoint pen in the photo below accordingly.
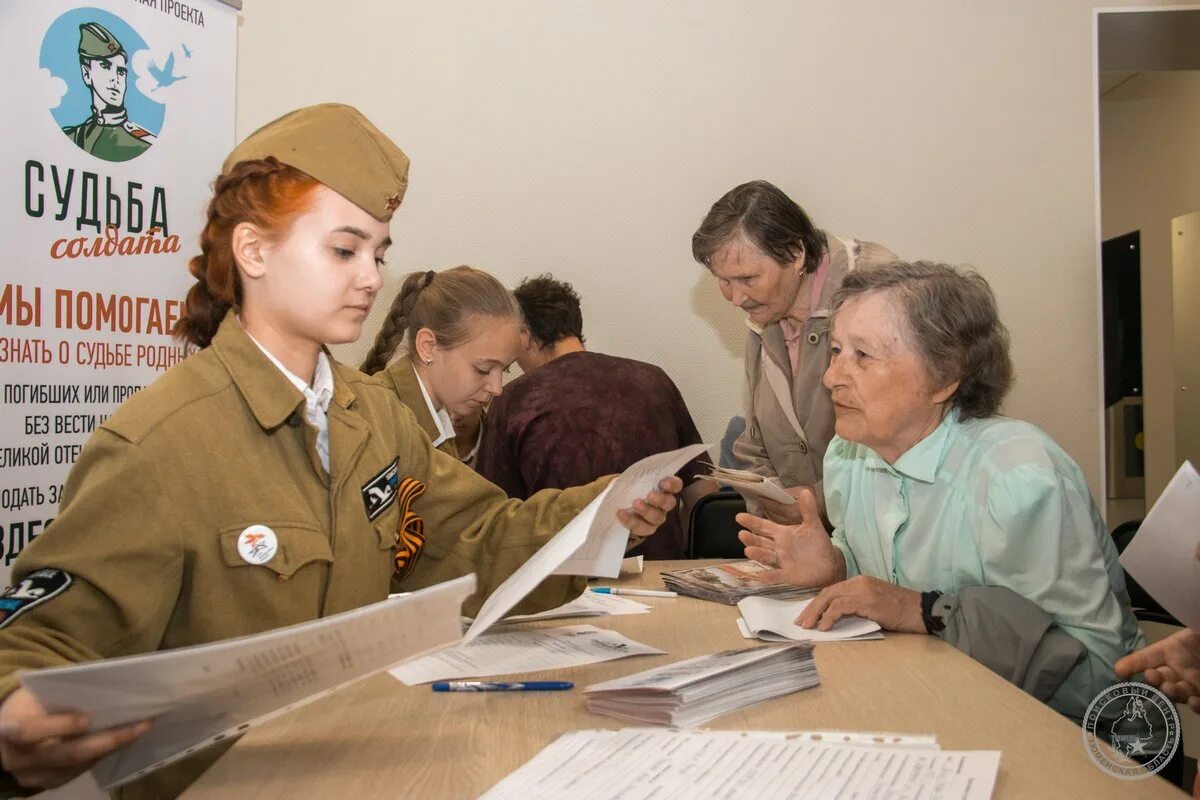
(490, 686)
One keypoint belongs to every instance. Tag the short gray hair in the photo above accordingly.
(952, 316)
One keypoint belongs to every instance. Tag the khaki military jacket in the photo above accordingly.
(773, 444)
(400, 378)
(152, 511)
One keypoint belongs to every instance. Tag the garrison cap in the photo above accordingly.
(339, 147)
(95, 41)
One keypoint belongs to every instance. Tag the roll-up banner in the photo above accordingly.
(118, 113)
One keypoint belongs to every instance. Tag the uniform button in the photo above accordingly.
(804, 448)
(293, 421)
(813, 338)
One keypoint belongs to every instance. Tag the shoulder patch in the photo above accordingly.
(34, 589)
(380, 492)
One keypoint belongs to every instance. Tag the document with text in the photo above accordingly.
(639, 763)
(201, 695)
(588, 604)
(522, 651)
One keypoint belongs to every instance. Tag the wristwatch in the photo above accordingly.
(933, 622)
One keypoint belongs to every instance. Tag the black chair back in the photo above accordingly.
(713, 530)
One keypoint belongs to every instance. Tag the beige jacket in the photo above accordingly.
(400, 378)
(148, 528)
(789, 420)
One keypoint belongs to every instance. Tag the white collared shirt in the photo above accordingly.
(441, 418)
(316, 397)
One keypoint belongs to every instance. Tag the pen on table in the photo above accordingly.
(492, 686)
(634, 592)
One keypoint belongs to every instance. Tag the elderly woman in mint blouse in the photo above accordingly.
(950, 519)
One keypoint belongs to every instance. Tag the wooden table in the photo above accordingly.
(381, 739)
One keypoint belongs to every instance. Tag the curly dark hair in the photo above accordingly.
(551, 310)
(951, 314)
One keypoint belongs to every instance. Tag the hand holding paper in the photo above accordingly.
(646, 514)
(591, 544)
(49, 750)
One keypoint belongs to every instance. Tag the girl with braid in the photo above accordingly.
(449, 337)
(259, 483)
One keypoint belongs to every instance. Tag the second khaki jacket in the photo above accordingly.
(771, 445)
(149, 525)
(400, 378)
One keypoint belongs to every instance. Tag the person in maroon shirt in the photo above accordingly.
(575, 415)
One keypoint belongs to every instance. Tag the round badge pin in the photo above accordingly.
(257, 544)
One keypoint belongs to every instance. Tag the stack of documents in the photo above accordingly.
(729, 583)
(749, 484)
(775, 621)
(692, 692)
(686, 765)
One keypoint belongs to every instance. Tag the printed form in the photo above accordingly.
(522, 651)
(201, 695)
(640, 763)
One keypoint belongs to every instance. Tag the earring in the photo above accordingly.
(428, 361)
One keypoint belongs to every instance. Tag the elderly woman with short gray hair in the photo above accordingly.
(948, 518)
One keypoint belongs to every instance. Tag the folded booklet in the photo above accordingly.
(774, 620)
(729, 583)
(749, 484)
(688, 693)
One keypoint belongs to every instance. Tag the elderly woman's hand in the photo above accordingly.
(799, 554)
(893, 607)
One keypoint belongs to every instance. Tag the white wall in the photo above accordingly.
(1150, 173)
(589, 138)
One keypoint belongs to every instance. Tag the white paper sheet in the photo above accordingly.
(592, 543)
(522, 651)
(632, 565)
(604, 549)
(1162, 556)
(200, 695)
(778, 617)
(588, 604)
(641, 763)
(749, 484)
(767, 636)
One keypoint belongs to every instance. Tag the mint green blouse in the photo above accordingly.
(991, 502)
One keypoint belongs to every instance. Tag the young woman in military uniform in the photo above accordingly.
(461, 329)
(260, 483)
